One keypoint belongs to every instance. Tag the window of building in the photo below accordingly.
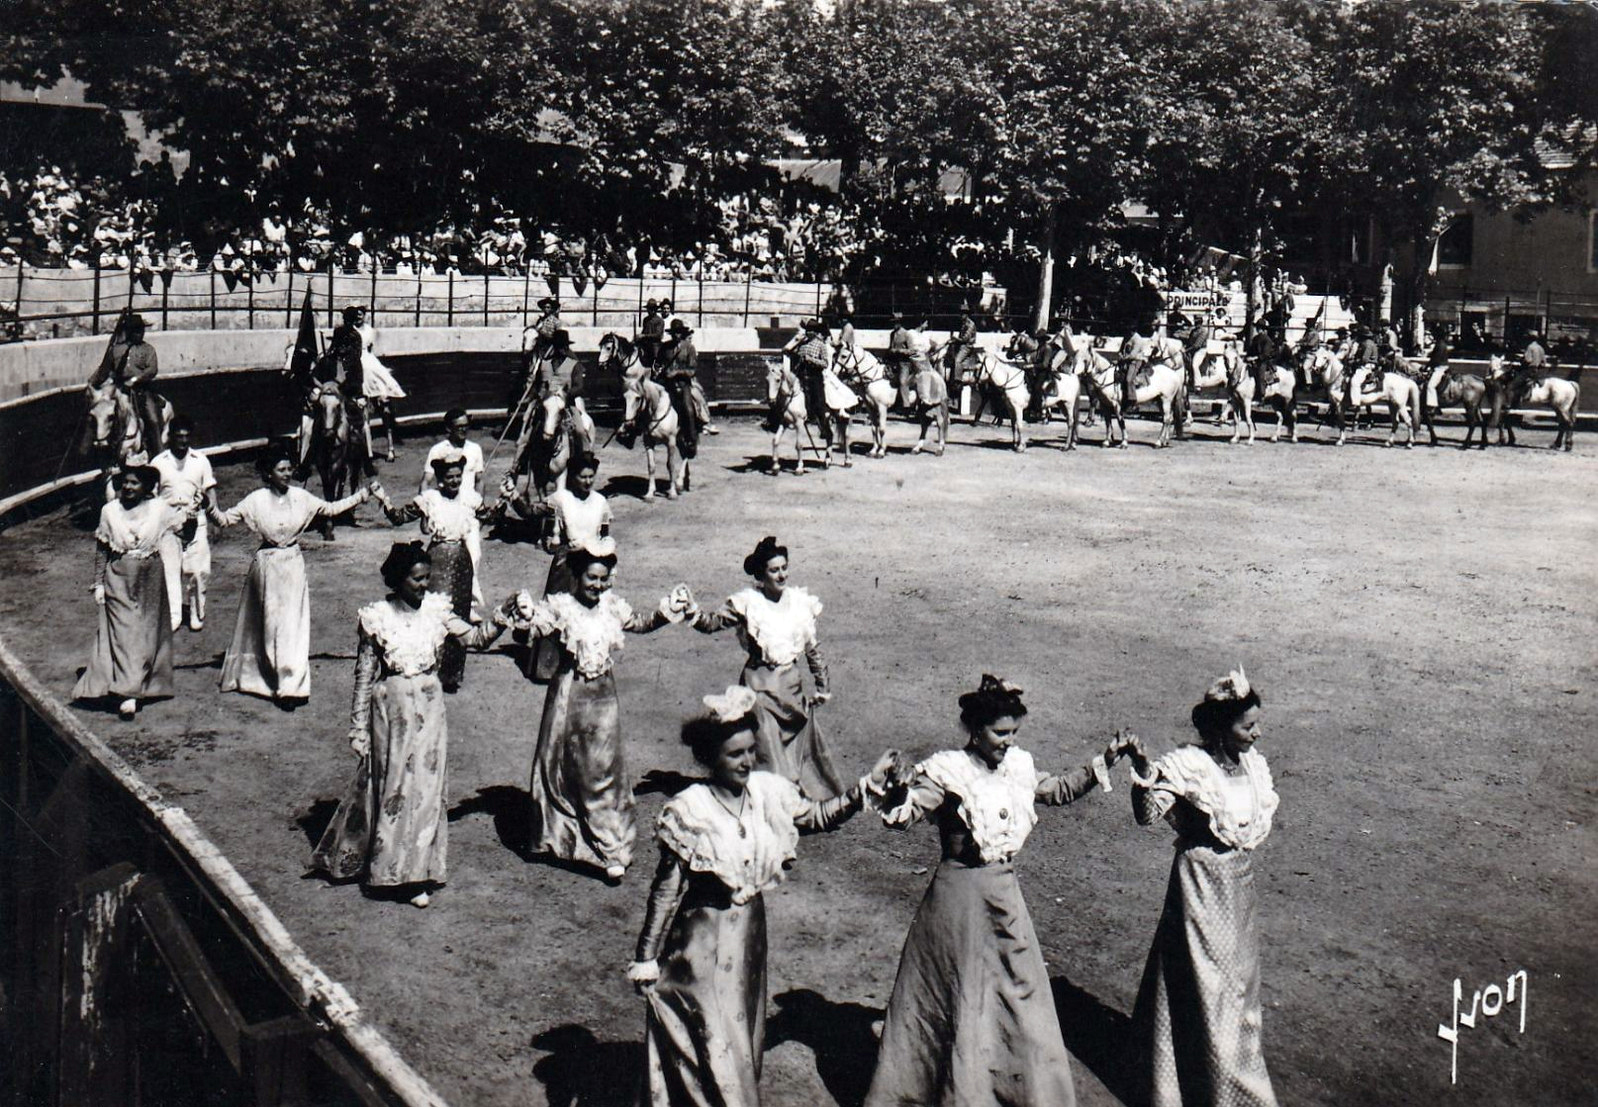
(1454, 247)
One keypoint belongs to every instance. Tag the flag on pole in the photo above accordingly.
(118, 338)
(303, 359)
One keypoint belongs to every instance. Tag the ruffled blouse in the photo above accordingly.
(996, 805)
(136, 532)
(749, 852)
(279, 520)
(1236, 817)
(445, 519)
(590, 634)
(779, 632)
(411, 639)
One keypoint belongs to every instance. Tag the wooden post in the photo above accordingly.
(639, 313)
(749, 278)
(371, 309)
(418, 292)
(96, 323)
(527, 280)
(701, 294)
(211, 274)
(94, 1060)
(449, 307)
(288, 304)
(249, 290)
(594, 313)
(272, 1059)
(332, 274)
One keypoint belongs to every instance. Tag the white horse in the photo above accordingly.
(1167, 384)
(1560, 395)
(649, 411)
(787, 399)
(861, 368)
(115, 433)
(1008, 381)
(1399, 392)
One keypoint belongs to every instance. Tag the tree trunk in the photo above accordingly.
(1416, 288)
(1256, 249)
(1384, 293)
(1046, 274)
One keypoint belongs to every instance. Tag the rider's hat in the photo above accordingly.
(352, 312)
(651, 303)
(679, 327)
(549, 302)
(136, 321)
(561, 339)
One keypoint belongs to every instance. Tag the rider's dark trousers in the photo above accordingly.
(148, 409)
(816, 399)
(687, 425)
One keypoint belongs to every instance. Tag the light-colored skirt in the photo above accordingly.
(972, 1017)
(391, 826)
(706, 1025)
(132, 656)
(271, 651)
(1197, 1018)
(788, 742)
(582, 796)
(377, 380)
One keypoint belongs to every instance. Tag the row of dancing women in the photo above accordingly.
(971, 1017)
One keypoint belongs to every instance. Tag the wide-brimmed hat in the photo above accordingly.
(679, 327)
(651, 303)
(561, 338)
(136, 321)
(549, 301)
(353, 311)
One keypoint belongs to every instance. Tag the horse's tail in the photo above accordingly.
(1575, 403)
(1416, 398)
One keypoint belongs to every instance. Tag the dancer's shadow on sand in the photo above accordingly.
(313, 824)
(1098, 1036)
(582, 1071)
(509, 808)
(631, 486)
(666, 782)
(839, 1034)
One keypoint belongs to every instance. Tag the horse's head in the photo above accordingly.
(329, 409)
(104, 414)
(610, 349)
(778, 378)
(554, 406)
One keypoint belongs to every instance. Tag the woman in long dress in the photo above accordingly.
(271, 651)
(776, 625)
(132, 658)
(1198, 1015)
(581, 792)
(701, 956)
(578, 516)
(450, 516)
(378, 383)
(391, 827)
(971, 1018)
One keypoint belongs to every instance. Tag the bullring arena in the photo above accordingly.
(1419, 623)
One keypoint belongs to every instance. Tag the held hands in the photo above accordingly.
(886, 770)
(98, 592)
(360, 741)
(678, 604)
(644, 975)
(821, 698)
(1129, 745)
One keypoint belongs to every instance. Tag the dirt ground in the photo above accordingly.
(1421, 624)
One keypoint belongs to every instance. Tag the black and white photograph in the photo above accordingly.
(798, 553)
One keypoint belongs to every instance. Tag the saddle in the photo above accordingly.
(1136, 374)
(1266, 373)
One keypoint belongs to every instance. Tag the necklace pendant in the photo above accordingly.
(743, 831)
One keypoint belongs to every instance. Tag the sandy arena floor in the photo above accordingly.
(1421, 624)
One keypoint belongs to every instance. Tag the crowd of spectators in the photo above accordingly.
(56, 221)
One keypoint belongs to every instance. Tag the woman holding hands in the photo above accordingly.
(972, 1017)
(1198, 1015)
(701, 958)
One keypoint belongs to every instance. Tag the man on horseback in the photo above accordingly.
(1367, 355)
(1534, 359)
(811, 351)
(899, 361)
(1133, 363)
(1436, 365)
(131, 364)
(1195, 348)
(538, 339)
(679, 375)
(651, 334)
(965, 356)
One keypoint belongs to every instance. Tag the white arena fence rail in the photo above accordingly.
(139, 966)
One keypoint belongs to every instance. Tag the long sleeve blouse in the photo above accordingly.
(774, 634)
(279, 520)
(397, 640)
(748, 852)
(591, 635)
(983, 815)
(443, 518)
(1203, 803)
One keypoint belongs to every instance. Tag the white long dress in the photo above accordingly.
(271, 651)
(377, 381)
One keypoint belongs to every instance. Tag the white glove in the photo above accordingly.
(643, 974)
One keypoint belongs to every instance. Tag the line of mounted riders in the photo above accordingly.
(1349, 375)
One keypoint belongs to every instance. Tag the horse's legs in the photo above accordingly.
(843, 437)
(776, 440)
(649, 469)
(674, 464)
(799, 449)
